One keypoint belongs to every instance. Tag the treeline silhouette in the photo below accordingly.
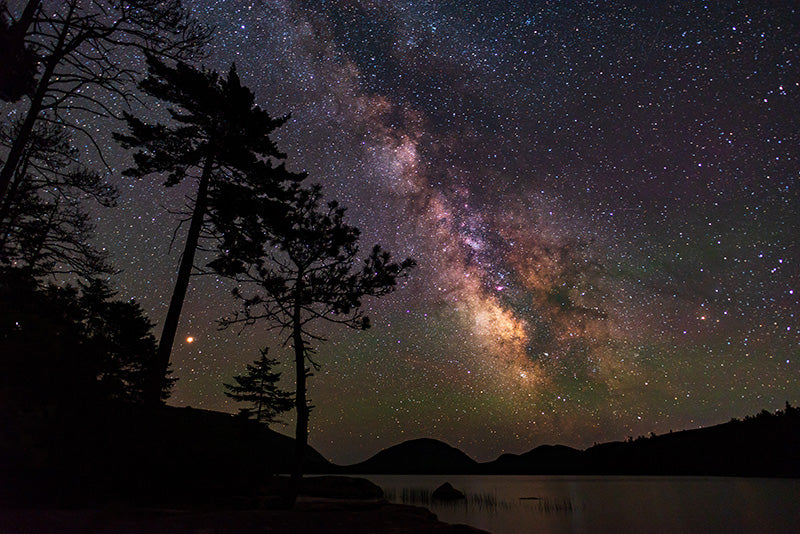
(767, 444)
(80, 368)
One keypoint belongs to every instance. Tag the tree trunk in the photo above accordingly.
(301, 405)
(26, 19)
(158, 381)
(260, 402)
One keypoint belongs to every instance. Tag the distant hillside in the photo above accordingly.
(419, 456)
(767, 444)
(543, 460)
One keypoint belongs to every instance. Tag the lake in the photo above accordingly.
(598, 504)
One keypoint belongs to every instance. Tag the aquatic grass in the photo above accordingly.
(416, 495)
(408, 495)
(555, 505)
(486, 501)
(550, 505)
(423, 496)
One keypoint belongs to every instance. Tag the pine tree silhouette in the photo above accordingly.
(310, 271)
(259, 388)
(220, 138)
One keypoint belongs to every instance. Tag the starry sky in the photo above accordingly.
(602, 198)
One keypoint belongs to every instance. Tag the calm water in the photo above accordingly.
(547, 504)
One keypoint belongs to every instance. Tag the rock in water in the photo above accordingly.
(446, 492)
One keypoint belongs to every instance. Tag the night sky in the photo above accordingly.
(602, 198)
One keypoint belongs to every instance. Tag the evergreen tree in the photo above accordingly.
(121, 335)
(68, 346)
(221, 139)
(309, 272)
(73, 364)
(259, 388)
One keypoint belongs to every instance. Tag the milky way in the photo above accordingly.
(602, 198)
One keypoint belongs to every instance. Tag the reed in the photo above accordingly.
(485, 501)
(554, 505)
(422, 496)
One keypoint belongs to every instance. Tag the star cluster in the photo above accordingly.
(602, 198)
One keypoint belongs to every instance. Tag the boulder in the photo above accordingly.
(446, 492)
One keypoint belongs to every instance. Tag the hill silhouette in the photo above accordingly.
(767, 444)
(544, 460)
(174, 454)
(204, 456)
(418, 456)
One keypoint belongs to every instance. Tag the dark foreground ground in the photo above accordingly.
(311, 515)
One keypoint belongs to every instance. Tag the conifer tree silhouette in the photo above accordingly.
(309, 272)
(66, 345)
(259, 388)
(220, 138)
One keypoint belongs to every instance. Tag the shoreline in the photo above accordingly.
(311, 515)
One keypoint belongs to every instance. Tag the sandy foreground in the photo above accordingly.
(311, 515)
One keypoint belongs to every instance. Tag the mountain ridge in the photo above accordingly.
(426, 455)
(767, 444)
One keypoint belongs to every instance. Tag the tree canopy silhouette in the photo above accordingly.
(84, 50)
(309, 272)
(259, 388)
(221, 138)
(46, 229)
(74, 365)
(68, 347)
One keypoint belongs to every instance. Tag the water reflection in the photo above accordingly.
(507, 504)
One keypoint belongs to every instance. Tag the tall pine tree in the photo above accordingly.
(310, 272)
(221, 139)
(18, 68)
